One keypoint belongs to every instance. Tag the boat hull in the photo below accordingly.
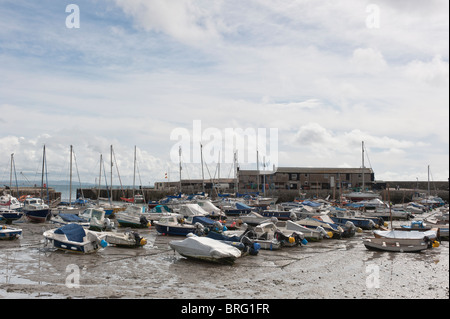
(395, 245)
(174, 230)
(38, 216)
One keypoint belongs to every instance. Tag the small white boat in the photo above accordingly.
(74, 238)
(253, 218)
(310, 234)
(133, 217)
(97, 219)
(129, 239)
(10, 233)
(406, 234)
(395, 244)
(207, 249)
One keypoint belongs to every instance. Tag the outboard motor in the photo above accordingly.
(143, 221)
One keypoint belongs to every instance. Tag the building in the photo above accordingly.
(306, 178)
(283, 178)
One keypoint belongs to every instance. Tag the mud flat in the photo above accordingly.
(331, 269)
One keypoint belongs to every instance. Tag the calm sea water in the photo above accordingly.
(65, 190)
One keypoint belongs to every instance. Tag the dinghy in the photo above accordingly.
(206, 249)
(395, 244)
(132, 217)
(129, 239)
(74, 238)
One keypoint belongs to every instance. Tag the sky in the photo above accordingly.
(302, 83)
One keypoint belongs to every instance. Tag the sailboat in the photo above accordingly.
(361, 195)
(399, 241)
(35, 209)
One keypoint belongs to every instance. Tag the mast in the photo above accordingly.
(111, 163)
(70, 176)
(134, 174)
(203, 175)
(99, 180)
(43, 167)
(179, 155)
(428, 187)
(257, 171)
(362, 173)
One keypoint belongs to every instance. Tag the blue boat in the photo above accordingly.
(238, 209)
(10, 233)
(281, 215)
(169, 225)
(9, 215)
(36, 210)
(74, 238)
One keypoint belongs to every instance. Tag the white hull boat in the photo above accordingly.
(74, 238)
(395, 244)
(207, 249)
(10, 233)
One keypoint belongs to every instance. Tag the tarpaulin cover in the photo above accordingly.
(73, 232)
(242, 206)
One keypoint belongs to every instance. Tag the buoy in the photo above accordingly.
(359, 230)
(143, 241)
(436, 244)
(330, 234)
(304, 241)
(291, 240)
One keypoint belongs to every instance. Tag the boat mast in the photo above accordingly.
(43, 167)
(203, 175)
(99, 180)
(70, 176)
(428, 187)
(111, 163)
(179, 155)
(134, 173)
(362, 169)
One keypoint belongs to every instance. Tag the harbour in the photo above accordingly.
(325, 269)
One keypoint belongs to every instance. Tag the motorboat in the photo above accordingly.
(206, 249)
(253, 218)
(97, 219)
(128, 239)
(310, 234)
(170, 225)
(36, 210)
(9, 215)
(133, 217)
(75, 238)
(68, 218)
(10, 233)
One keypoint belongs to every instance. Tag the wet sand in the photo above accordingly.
(330, 269)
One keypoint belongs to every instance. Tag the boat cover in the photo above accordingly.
(203, 220)
(242, 206)
(310, 203)
(67, 217)
(73, 232)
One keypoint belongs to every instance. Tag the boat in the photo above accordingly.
(130, 239)
(429, 235)
(36, 210)
(132, 217)
(281, 215)
(97, 219)
(310, 234)
(159, 211)
(64, 219)
(170, 225)
(236, 208)
(253, 219)
(341, 216)
(395, 244)
(9, 215)
(74, 238)
(331, 229)
(243, 243)
(10, 233)
(11, 202)
(206, 249)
